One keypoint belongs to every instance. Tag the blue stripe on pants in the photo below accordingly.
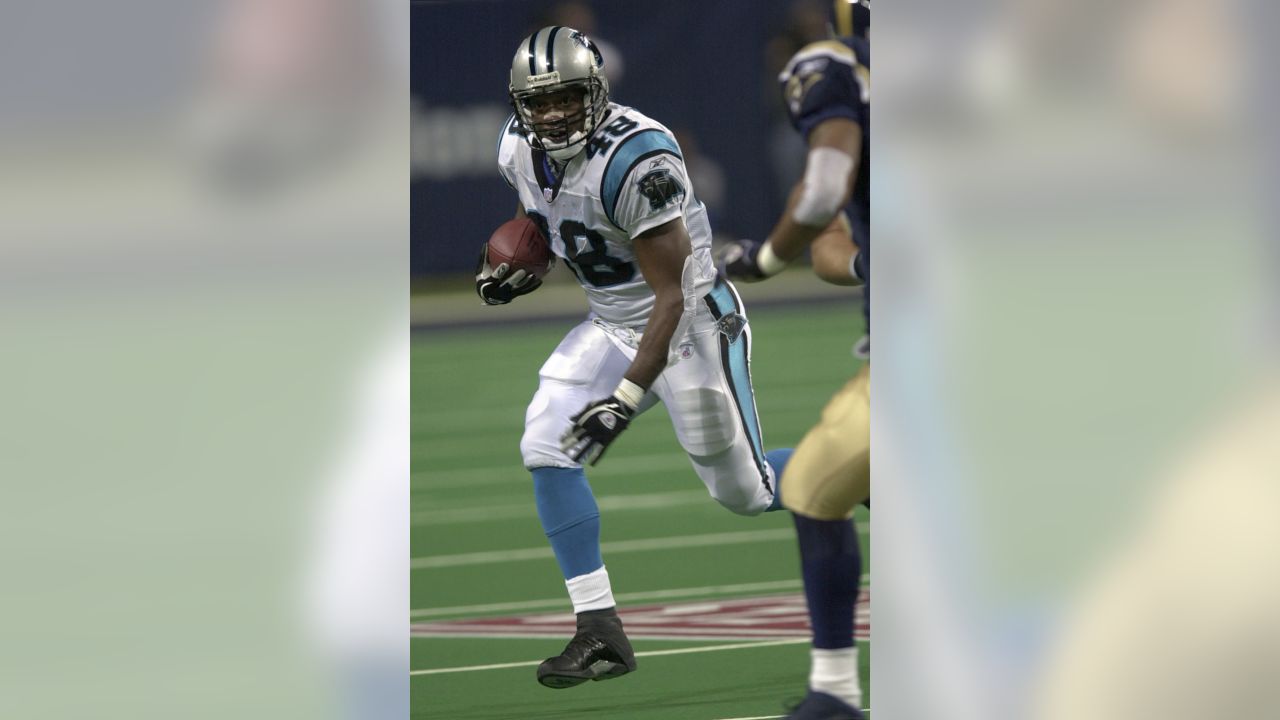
(735, 354)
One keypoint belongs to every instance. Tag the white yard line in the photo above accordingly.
(865, 711)
(640, 501)
(613, 548)
(665, 637)
(693, 592)
(651, 653)
(512, 473)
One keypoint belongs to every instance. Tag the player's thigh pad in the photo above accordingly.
(585, 366)
(830, 471)
(708, 395)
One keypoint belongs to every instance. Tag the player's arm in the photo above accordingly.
(813, 206)
(832, 253)
(661, 253)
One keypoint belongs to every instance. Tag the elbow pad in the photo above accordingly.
(826, 179)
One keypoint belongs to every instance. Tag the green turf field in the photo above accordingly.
(478, 550)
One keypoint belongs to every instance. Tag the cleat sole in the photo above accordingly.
(602, 670)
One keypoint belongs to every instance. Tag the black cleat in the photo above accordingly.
(598, 651)
(821, 706)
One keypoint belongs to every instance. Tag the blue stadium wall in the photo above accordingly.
(699, 64)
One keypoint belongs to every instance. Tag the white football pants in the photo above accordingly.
(706, 389)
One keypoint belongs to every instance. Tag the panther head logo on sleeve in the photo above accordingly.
(661, 188)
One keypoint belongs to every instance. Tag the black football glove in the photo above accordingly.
(739, 260)
(499, 286)
(597, 425)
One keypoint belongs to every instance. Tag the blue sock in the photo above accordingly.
(570, 518)
(832, 568)
(778, 459)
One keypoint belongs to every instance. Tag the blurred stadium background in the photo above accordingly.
(676, 61)
(707, 70)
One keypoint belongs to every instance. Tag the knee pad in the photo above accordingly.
(747, 506)
(705, 420)
(544, 424)
(737, 498)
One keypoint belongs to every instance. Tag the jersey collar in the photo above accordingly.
(549, 178)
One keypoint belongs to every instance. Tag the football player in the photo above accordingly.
(608, 187)
(826, 87)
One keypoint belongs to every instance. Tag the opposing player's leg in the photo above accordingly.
(708, 394)
(585, 366)
(826, 476)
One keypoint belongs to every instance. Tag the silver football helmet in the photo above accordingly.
(552, 60)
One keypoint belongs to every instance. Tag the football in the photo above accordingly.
(521, 245)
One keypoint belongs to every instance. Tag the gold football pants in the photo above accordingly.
(830, 472)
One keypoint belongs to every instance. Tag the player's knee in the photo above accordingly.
(743, 505)
(540, 444)
(741, 498)
(802, 500)
(788, 496)
(537, 452)
(540, 449)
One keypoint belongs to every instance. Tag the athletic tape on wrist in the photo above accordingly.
(630, 394)
(768, 261)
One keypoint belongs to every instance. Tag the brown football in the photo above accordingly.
(521, 245)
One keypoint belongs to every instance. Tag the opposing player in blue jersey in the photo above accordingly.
(826, 87)
(609, 189)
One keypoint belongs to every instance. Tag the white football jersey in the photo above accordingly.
(628, 179)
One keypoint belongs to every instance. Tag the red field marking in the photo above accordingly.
(776, 616)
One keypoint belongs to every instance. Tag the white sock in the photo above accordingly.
(835, 672)
(590, 591)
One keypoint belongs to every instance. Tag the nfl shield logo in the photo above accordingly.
(546, 193)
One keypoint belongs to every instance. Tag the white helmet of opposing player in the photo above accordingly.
(560, 65)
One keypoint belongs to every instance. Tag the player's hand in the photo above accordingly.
(498, 285)
(740, 260)
(597, 425)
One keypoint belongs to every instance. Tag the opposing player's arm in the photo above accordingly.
(813, 208)
(815, 202)
(832, 253)
(661, 252)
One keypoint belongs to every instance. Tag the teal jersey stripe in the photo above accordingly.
(740, 376)
(624, 158)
